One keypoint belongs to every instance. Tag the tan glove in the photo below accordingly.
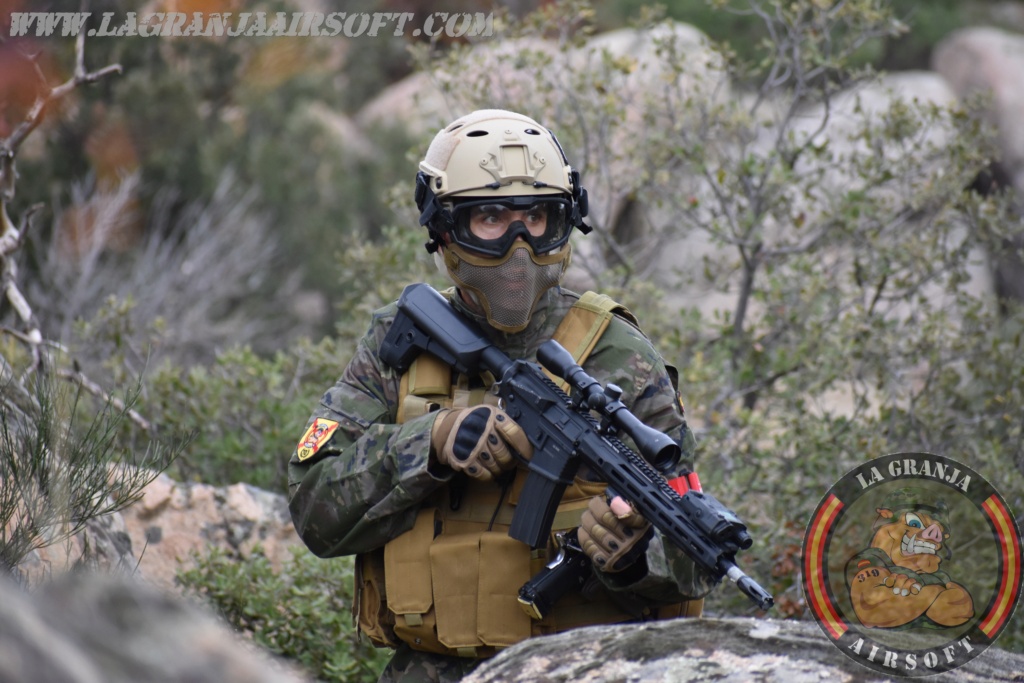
(477, 440)
(613, 540)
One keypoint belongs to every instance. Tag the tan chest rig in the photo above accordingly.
(450, 584)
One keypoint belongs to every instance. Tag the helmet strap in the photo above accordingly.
(580, 203)
(432, 213)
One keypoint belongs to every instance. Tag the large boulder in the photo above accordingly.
(171, 523)
(412, 104)
(90, 627)
(685, 650)
(103, 544)
(990, 61)
(174, 520)
(835, 126)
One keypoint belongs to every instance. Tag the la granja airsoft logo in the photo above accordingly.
(912, 564)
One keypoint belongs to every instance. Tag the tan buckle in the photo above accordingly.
(412, 619)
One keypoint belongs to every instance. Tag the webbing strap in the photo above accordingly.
(583, 325)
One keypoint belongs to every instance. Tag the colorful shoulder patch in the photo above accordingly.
(316, 436)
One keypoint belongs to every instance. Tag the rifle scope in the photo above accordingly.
(656, 448)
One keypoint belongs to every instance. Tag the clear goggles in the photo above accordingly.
(489, 227)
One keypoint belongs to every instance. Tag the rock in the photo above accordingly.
(413, 104)
(344, 131)
(156, 536)
(642, 53)
(108, 628)
(979, 60)
(684, 650)
(104, 544)
(174, 519)
(837, 124)
(990, 60)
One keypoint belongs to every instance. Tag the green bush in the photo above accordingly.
(301, 611)
(61, 463)
(247, 412)
(742, 28)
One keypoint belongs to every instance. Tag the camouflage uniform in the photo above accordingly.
(364, 486)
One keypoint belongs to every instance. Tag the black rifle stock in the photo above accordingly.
(565, 434)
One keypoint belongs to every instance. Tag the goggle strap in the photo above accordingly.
(432, 212)
(580, 204)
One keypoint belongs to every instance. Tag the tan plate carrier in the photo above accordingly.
(450, 584)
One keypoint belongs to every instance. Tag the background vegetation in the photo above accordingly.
(215, 227)
(302, 613)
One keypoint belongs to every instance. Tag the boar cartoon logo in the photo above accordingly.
(896, 582)
(912, 564)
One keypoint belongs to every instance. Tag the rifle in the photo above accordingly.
(565, 434)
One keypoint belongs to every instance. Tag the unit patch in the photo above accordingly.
(912, 564)
(316, 436)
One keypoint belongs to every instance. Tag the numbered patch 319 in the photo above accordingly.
(912, 564)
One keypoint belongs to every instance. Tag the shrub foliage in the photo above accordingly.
(301, 611)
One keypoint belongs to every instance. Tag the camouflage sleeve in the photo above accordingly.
(361, 486)
(624, 356)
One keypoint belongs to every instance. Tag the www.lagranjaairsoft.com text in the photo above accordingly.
(253, 24)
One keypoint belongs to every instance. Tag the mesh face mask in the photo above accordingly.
(508, 288)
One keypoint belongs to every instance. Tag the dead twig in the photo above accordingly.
(87, 384)
(11, 237)
(9, 146)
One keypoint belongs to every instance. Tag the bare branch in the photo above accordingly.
(9, 146)
(96, 390)
(21, 336)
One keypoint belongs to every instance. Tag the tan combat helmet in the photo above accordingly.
(493, 153)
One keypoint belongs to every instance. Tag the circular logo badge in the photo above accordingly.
(912, 564)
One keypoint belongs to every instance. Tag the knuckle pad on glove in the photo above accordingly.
(612, 543)
(462, 445)
(469, 431)
(477, 440)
